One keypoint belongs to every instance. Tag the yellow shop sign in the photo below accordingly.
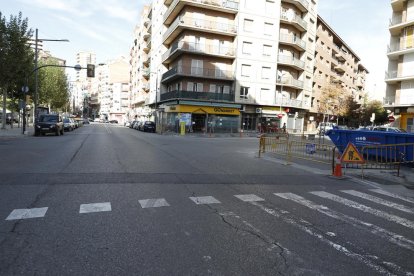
(203, 109)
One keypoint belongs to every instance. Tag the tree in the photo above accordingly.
(53, 86)
(16, 57)
(333, 100)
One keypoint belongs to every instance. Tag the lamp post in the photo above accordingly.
(36, 94)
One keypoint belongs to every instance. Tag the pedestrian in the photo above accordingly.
(284, 128)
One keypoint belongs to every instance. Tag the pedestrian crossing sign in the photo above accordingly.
(352, 155)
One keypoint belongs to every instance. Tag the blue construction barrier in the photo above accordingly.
(363, 138)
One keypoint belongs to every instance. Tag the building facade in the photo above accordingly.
(230, 66)
(399, 98)
(338, 65)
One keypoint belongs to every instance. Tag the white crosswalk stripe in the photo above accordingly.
(383, 192)
(365, 209)
(373, 229)
(204, 200)
(250, 197)
(95, 207)
(153, 203)
(306, 227)
(27, 213)
(380, 201)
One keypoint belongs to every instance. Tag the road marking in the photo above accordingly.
(27, 213)
(383, 192)
(369, 260)
(380, 201)
(204, 200)
(366, 209)
(373, 229)
(153, 203)
(95, 207)
(249, 198)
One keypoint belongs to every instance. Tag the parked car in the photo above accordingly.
(131, 125)
(127, 124)
(96, 120)
(68, 124)
(137, 125)
(148, 126)
(113, 121)
(85, 121)
(49, 123)
(387, 128)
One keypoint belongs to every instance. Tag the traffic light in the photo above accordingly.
(90, 70)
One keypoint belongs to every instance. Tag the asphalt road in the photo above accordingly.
(109, 200)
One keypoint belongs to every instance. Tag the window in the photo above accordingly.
(244, 92)
(265, 95)
(268, 28)
(245, 70)
(196, 67)
(248, 25)
(247, 48)
(212, 88)
(267, 50)
(266, 73)
(270, 7)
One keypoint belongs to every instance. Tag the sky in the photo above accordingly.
(106, 27)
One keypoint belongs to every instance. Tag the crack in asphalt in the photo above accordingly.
(256, 233)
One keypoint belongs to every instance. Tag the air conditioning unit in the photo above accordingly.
(258, 110)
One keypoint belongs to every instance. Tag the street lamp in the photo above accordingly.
(37, 39)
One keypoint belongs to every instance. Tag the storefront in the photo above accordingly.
(200, 119)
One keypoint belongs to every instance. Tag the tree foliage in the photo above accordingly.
(53, 86)
(333, 100)
(16, 57)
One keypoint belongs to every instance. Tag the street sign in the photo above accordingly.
(352, 155)
(391, 119)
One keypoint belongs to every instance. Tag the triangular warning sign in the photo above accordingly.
(352, 155)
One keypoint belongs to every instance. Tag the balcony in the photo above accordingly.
(197, 72)
(291, 61)
(147, 22)
(302, 5)
(189, 23)
(146, 87)
(181, 47)
(146, 72)
(393, 77)
(218, 5)
(146, 36)
(192, 95)
(283, 101)
(291, 82)
(397, 5)
(397, 24)
(359, 83)
(146, 60)
(293, 41)
(340, 56)
(340, 68)
(396, 50)
(388, 101)
(293, 19)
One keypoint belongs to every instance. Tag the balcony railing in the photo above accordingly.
(398, 47)
(201, 24)
(288, 38)
(396, 20)
(388, 101)
(291, 61)
(285, 16)
(181, 94)
(198, 48)
(218, 3)
(288, 102)
(290, 81)
(201, 72)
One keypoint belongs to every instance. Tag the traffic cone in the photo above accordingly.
(338, 167)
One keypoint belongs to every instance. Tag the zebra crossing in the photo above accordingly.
(366, 202)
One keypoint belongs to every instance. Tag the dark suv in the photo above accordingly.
(49, 123)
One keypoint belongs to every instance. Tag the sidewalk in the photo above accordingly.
(15, 132)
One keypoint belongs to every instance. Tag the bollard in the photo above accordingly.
(338, 167)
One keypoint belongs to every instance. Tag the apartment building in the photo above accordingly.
(399, 98)
(338, 65)
(82, 87)
(113, 89)
(226, 66)
(140, 60)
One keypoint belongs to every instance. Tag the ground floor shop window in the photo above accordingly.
(249, 122)
(222, 123)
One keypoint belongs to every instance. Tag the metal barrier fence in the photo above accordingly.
(390, 156)
(283, 145)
